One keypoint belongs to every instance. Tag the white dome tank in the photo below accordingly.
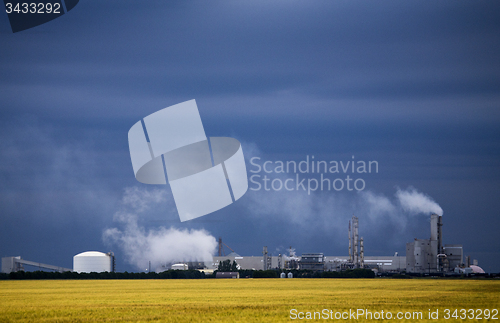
(92, 261)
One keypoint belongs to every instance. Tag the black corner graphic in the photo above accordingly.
(70, 4)
(25, 14)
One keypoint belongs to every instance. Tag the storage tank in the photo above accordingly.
(92, 261)
(179, 267)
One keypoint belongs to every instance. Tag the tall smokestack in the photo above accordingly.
(440, 234)
(434, 226)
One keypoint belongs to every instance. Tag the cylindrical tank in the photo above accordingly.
(290, 275)
(282, 275)
(179, 266)
(92, 261)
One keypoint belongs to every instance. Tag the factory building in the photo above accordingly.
(312, 261)
(249, 262)
(382, 264)
(328, 263)
(94, 261)
(429, 255)
(318, 261)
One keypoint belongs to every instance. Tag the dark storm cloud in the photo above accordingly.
(326, 50)
(46, 179)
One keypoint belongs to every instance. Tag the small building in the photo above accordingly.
(227, 274)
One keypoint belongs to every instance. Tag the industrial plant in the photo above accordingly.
(423, 256)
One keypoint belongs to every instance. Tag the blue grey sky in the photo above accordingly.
(413, 85)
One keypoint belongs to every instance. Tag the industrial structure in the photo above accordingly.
(180, 266)
(266, 261)
(312, 261)
(430, 256)
(422, 256)
(318, 261)
(315, 262)
(14, 264)
(85, 262)
(356, 257)
(94, 261)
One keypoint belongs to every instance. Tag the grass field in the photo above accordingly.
(242, 300)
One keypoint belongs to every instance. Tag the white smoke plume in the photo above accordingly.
(161, 246)
(291, 255)
(328, 212)
(298, 207)
(415, 202)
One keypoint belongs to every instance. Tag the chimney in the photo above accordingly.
(434, 226)
(440, 234)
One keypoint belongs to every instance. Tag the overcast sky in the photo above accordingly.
(413, 85)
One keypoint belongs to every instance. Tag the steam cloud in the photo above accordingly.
(330, 209)
(160, 246)
(329, 213)
(415, 202)
(322, 211)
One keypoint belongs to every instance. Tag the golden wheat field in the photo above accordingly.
(245, 300)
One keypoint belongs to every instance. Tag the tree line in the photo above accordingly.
(189, 274)
(169, 274)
